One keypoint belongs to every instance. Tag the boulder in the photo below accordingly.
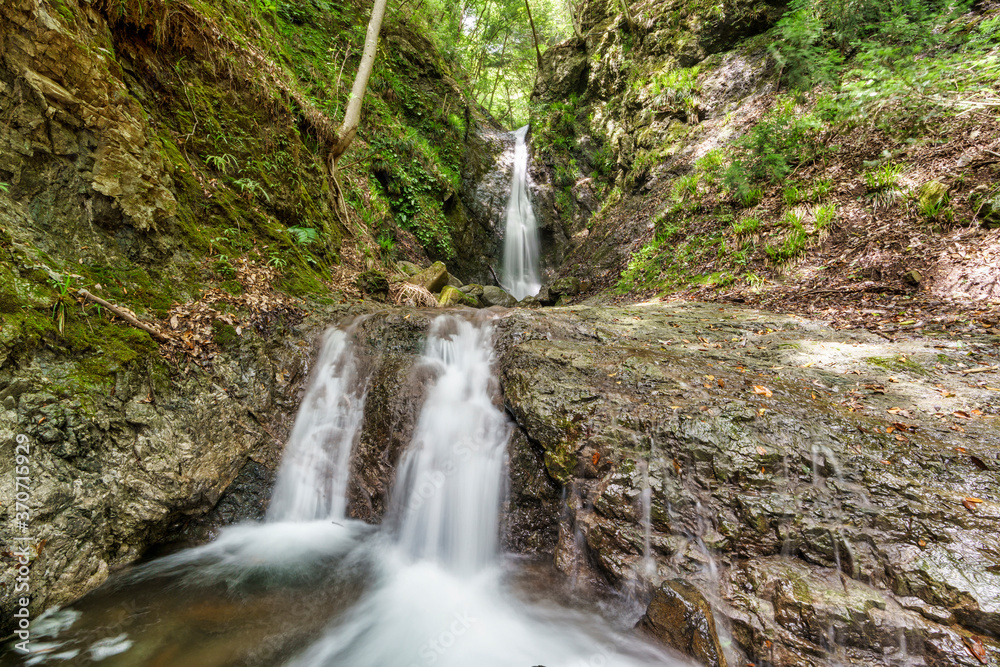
(987, 207)
(373, 282)
(472, 290)
(494, 296)
(453, 281)
(433, 278)
(545, 297)
(452, 296)
(407, 268)
(913, 277)
(529, 302)
(680, 616)
(568, 286)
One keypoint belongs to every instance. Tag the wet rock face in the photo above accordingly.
(680, 616)
(148, 459)
(811, 486)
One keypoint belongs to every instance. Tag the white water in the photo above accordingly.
(450, 481)
(312, 480)
(431, 587)
(521, 244)
(440, 597)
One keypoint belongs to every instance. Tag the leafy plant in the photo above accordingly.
(792, 195)
(820, 189)
(386, 243)
(745, 226)
(275, 260)
(882, 182)
(62, 299)
(4, 187)
(825, 215)
(304, 235)
(222, 162)
(251, 188)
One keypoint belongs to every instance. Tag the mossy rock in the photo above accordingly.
(373, 282)
(407, 268)
(224, 334)
(932, 195)
(452, 296)
(433, 278)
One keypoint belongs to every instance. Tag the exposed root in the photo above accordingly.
(408, 294)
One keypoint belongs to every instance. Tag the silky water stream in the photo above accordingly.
(309, 586)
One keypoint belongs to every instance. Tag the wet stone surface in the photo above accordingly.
(832, 495)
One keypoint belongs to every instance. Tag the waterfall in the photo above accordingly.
(312, 479)
(311, 588)
(451, 478)
(521, 244)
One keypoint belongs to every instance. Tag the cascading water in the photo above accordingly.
(312, 480)
(450, 480)
(521, 244)
(430, 589)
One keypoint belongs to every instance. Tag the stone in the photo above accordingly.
(986, 205)
(373, 282)
(473, 290)
(433, 278)
(407, 268)
(452, 296)
(680, 616)
(913, 277)
(453, 281)
(568, 286)
(495, 296)
(529, 302)
(562, 72)
(545, 297)
(932, 196)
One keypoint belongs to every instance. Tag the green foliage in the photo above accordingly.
(63, 298)
(222, 163)
(745, 226)
(711, 165)
(825, 215)
(769, 152)
(4, 187)
(792, 195)
(251, 188)
(304, 235)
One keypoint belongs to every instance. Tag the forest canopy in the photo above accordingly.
(493, 43)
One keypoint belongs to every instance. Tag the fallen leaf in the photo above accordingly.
(977, 413)
(979, 463)
(961, 414)
(761, 450)
(763, 391)
(975, 646)
(595, 458)
(975, 501)
(677, 467)
(721, 383)
(921, 543)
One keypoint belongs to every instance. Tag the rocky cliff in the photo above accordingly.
(169, 159)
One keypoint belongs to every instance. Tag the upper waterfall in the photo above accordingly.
(521, 244)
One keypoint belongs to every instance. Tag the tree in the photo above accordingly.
(352, 116)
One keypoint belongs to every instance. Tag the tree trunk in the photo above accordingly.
(628, 16)
(534, 34)
(496, 81)
(352, 116)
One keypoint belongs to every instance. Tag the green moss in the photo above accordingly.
(897, 364)
(224, 335)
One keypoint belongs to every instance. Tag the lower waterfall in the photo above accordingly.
(308, 587)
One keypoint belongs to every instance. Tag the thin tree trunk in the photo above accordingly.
(496, 81)
(352, 116)
(534, 34)
(628, 16)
